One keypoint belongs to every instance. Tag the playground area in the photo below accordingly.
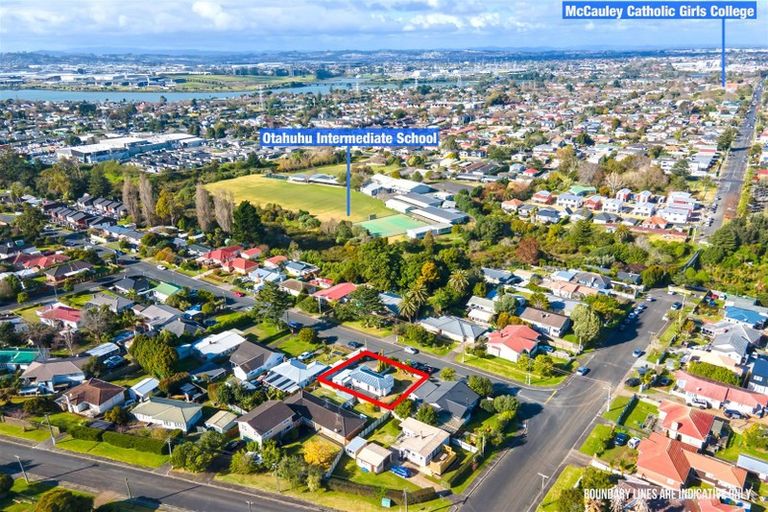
(391, 225)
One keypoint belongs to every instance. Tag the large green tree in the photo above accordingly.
(62, 500)
(271, 303)
(246, 224)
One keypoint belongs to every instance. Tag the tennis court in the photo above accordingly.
(391, 225)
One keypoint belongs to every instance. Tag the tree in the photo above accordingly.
(586, 324)
(272, 303)
(203, 209)
(99, 322)
(594, 478)
(506, 403)
(654, 276)
(242, 463)
(426, 414)
(131, 200)
(544, 365)
(319, 453)
(539, 301)
(147, 196)
(98, 184)
(480, 385)
(246, 224)
(168, 207)
(527, 251)
(223, 207)
(117, 415)
(154, 355)
(292, 468)
(271, 453)
(448, 373)
(30, 222)
(314, 478)
(40, 335)
(459, 281)
(404, 409)
(614, 181)
(191, 457)
(571, 500)
(62, 500)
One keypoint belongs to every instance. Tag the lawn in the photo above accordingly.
(737, 446)
(349, 470)
(566, 480)
(510, 370)
(108, 451)
(593, 444)
(324, 202)
(294, 346)
(29, 314)
(637, 415)
(373, 331)
(266, 332)
(23, 495)
(616, 456)
(386, 434)
(442, 349)
(37, 435)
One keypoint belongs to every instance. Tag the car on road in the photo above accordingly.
(305, 355)
(650, 299)
(583, 370)
(411, 350)
(620, 439)
(355, 345)
(735, 415)
(671, 292)
(637, 353)
(632, 382)
(162, 267)
(676, 306)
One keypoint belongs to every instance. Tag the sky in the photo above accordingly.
(268, 25)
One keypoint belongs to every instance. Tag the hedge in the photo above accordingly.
(234, 322)
(461, 474)
(85, 433)
(420, 496)
(143, 444)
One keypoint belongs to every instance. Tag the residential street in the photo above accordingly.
(112, 477)
(732, 175)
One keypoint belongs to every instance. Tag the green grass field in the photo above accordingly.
(392, 225)
(325, 202)
(636, 417)
(108, 451)
(566, 480)
(508, 369)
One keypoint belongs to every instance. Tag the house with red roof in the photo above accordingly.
(512, 205)
(543, 197)
(275, 262)
(253, 253)
(687, 425)
(222, 255)
(655, 222)
(673, 464)
(60, 316)
(240, 266)
(42, 262)
(336, 293)
(594, 202)
(512, 341)
(719, 395)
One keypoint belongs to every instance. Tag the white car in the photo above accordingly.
(634, 443)
(162, 267)
(411, 350)
(305, 355)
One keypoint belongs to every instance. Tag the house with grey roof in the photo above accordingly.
(454, 328)
(366, 380)
(453, 400)
(114, 303)
(546, 322)
(252, 359)
(168, 413)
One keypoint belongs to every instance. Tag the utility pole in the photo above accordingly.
(50, 429)
(250, 506)
(128, 488)
(608, 400)
(405, 500)
(23, 471)
(170, 446)
(544, 479)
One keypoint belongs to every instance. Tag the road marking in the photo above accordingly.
(550, 397)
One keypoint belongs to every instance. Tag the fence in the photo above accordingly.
(627, 410)
(464, 445)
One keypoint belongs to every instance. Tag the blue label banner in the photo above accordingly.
(659, 10)
(367, 137)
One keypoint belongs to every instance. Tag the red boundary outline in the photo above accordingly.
(324, 378)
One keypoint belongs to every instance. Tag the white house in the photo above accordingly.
(366, 380)
(168, 413)
(218, 345)
(420, 443)
(92, 398)
(252, 359)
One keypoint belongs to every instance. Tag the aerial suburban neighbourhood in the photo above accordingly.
(561, 306)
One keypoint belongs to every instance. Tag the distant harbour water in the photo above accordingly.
(325, 87)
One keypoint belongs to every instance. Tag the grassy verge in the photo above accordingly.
(439, 350)
(373, 331)
(509, 370)
(37, 435)
(23, 496)
(108, 451)
(566, 480)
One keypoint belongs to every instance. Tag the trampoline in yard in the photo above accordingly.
(391, 226)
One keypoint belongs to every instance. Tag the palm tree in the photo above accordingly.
(409, 307)
(420, 292)
(459, 280)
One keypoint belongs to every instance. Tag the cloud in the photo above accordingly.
(214, 12)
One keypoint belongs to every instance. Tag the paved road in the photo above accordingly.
(558, 426)
(732, 176)
(111, 477)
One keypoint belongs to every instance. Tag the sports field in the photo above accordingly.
(324, 202)
(392, 225)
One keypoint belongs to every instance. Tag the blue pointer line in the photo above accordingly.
(722, 58)
(349, 184)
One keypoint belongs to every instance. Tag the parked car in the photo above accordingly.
(114, 361)
(294, 326)
(547, 349)
(632, 382)
(663, 381)
(620, 439)
(305, 355)
(701, 404)
(583, 370)
(634, 443)
(650, 299)
(411, 350)
(676, 306)
(162, 267)
(401, 471)
(355, 345)
(637, 352)
(735, 415)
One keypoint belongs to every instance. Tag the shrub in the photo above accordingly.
(142, 444)
(62, 500)
(6, 482)
(85, 433)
